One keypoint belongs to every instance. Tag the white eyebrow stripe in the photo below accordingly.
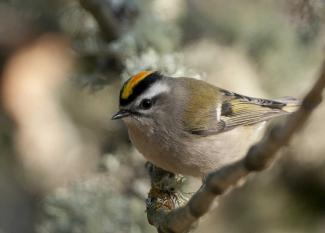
(154, 90)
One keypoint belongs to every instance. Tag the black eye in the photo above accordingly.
(146, 104)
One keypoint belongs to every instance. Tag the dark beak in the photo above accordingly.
(121, 114)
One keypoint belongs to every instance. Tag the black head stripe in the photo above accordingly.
(140, 87)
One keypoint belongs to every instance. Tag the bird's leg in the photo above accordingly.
(165, 192)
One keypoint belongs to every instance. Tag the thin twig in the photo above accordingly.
(103, 14)
(259, 156)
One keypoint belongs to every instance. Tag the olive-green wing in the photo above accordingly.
(238, 110)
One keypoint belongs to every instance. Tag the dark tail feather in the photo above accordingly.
(291, 104)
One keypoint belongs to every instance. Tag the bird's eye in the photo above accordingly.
(146, 104)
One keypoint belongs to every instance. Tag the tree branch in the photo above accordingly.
(103, 14)
(179, 219)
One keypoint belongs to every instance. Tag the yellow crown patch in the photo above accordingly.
(134, 80)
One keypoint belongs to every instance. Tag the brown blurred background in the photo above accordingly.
(66, 167)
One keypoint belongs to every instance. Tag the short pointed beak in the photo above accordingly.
(121, 114)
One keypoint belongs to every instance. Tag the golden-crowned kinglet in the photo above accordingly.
(188, 126)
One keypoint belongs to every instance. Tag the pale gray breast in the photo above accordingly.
(156, 146)
(195, 155)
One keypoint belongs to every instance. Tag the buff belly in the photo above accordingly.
(195, 156)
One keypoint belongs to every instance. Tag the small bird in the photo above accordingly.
(190, 127)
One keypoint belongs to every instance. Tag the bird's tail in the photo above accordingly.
(291, 104)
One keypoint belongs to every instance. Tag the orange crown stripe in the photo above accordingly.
(128, 89)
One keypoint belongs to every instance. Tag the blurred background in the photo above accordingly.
(66, 167)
